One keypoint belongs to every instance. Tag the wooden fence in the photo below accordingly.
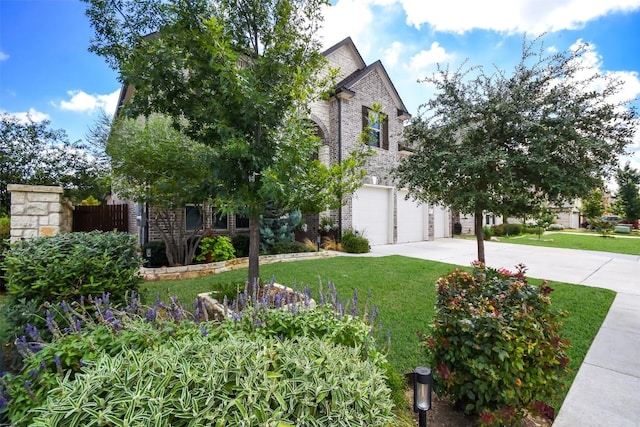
(103, 218)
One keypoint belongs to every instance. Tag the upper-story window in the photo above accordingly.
(376, 126)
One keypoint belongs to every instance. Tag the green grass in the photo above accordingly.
(404, 291)
(586, 241)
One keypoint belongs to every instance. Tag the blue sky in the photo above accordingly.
(47, 71)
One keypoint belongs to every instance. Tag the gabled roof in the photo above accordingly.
(349, 44)
(348, 82)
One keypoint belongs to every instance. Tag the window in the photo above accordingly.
(219, 221)
(376, 125)
(242, 221)
(490, 220)
(192, 218)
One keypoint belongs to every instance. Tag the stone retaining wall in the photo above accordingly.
(198, 270)
(38, 211)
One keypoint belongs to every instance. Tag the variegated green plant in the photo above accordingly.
(239, 381)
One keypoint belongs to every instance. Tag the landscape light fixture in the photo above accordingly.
(422, 386)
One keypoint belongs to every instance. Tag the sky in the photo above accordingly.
(47, 72)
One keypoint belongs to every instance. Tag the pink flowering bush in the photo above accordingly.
(495, 344)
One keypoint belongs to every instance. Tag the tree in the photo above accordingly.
(628, 198)
(234, 76)
(493, 142)
(155, 163)
(593, 205)
(35, 154)
(592, 208)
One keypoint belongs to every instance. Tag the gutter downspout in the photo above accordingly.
(339, 163)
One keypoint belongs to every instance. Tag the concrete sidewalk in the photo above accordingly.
(606, 390)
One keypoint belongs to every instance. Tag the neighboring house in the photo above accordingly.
(568, 215)
(378, 210)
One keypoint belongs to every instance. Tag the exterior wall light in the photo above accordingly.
(422, 386)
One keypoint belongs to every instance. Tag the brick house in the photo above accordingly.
(378, 210)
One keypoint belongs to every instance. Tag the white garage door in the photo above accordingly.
(371, 207)
(412, 221)
(440, 222)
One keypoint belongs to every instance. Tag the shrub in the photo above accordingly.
(495, 343)
(5, 227)
(111, 331)
(498, 230)
(512, 229)
(68, 266)
(5, 233)
(303, 382)
(330, 244)
(155, 254)
(486, 232)
(290, 248)
(506, 229)
(354, 243)
(241, 244)
(219, 247)
(457, 228)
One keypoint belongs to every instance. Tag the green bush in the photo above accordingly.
(155, 254)
(487, 233)
(289, 248)
(68, 266)
(5, 233)
(5, 227)
(241, 244)
(354, 243)
(83, 339)
(498, 230)
(235, 382)
(512, 229)
(495, 343)
(219, 247)
(506, 229)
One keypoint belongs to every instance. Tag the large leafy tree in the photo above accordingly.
(236, 76)
(628, 197)
(154, 163)
(35, 154)
(510, 142)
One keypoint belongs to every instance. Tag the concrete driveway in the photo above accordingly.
(606, 391)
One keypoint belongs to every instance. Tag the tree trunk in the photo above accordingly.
(479, 236)
(254, 253)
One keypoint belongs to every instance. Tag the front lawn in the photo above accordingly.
(404, 291)
(589, 241)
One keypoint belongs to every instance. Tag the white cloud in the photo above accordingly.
(391, 54)
(532, 16)
(31, 115)
(423, 60)
(348, 18)
(81, 102)
(3, 56)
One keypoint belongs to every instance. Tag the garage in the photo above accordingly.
(441, 223)
(412, 219)
(372, 213)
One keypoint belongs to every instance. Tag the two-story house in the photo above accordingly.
(378, 210)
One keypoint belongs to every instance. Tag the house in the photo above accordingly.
(567, 214)
(378, 210)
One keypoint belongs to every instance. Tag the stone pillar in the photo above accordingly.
(37, 211)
